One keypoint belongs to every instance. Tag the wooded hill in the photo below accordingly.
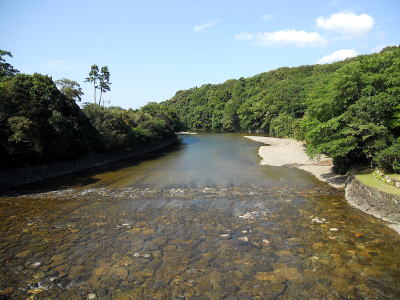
(349, 110)
(40, 123)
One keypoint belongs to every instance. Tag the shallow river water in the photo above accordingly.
(200, 220)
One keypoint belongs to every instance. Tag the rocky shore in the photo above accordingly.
(381, 205)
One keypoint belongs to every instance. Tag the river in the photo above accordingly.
(199, 220)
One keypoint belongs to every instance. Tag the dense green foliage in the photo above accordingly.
(389, 158)
(119, 128)
(349, 110)
(40, 123)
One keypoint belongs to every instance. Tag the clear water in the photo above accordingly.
(200, 220)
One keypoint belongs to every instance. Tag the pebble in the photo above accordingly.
(36, 291)
(333, 229)
(36, 264)
(318, 221)
(244, 238)
(266, 242)
(137, 254)
(92, 296)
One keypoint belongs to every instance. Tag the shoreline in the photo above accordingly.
(289, 152)
(19, 176)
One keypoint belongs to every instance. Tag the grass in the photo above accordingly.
(394, 176)
(371, 180)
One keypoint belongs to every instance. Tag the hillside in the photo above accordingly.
(349, 110)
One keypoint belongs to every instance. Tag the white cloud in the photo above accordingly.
(62, 65)
(206, 25)
(267, 17)
(348, 24)
(244, 36)
(337, 56)
(289, 37)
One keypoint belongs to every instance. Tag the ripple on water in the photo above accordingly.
(207, 242)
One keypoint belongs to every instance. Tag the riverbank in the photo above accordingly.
(288, 152)
(185, 132)
(20, 176)
(365, 195)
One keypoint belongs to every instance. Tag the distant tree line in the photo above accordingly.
(40, 120)
(349, 110)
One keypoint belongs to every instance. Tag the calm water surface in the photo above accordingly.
(200, 220)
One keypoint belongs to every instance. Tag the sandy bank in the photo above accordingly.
(289, 152)
(185, 132)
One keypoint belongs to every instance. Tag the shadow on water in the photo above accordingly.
(203, 160)
(88, 177)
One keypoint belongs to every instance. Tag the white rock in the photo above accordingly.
(244, 238)
(318, 221)
(334, 229)
(91, 296)
(246, 216)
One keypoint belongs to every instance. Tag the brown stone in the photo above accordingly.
(23, 254)
(265, 276)
(121, 272)
(75, 271)
(125, 261)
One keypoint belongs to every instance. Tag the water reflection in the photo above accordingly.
(204, 160)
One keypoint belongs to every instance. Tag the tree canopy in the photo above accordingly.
(349, 110)
(41, 122)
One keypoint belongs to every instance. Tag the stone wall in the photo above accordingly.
(374, 202)
(20, 176)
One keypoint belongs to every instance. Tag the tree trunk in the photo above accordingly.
(94, 86)
(101, 94)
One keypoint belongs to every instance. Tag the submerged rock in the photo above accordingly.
(318, 220)
(244, 239)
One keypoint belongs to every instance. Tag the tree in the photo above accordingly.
(70, 88)
(93, 78)
(105, 83)
(5, 68)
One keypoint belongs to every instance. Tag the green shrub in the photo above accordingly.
(389, 158)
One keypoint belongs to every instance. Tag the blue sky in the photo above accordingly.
(154, 48)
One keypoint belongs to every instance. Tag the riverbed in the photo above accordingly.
(200, 220)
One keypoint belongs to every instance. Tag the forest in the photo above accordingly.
(349, 110)
(40, 122)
